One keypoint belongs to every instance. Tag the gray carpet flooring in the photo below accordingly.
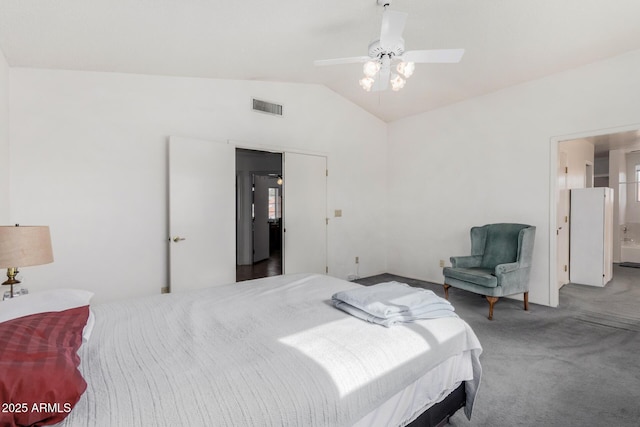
(575, 365)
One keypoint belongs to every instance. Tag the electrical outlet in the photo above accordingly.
(441, 263)
(357, 260)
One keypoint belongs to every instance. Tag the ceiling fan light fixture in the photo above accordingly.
(397, 82)
(406, 69)
(371, 68)
(366, 83)
(388, 49)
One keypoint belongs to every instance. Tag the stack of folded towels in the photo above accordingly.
(390, 303)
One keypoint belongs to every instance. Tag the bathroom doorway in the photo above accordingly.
(605, 167)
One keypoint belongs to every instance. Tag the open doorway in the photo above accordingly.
(607, 165)
(259, 214)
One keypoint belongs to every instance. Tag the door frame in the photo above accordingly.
(563, 199)
(274, 148)
(554, 292)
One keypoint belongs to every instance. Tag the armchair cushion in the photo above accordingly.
(502, 244)
(478, 276)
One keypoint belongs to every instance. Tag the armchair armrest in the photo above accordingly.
(468, 261)
(513, 277)
(506, 268)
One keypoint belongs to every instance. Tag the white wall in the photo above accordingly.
(4, 140)
(633, 205)
(88, 155)
(601, 170)
(618, 175)
(487, 160)
(90, 159)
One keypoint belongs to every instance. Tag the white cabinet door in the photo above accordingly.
(305, 213)
(201, 213)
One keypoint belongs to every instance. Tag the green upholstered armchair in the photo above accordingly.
(499, 264)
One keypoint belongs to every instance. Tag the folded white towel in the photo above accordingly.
(394, 319)
(390, 303)
(392, 298)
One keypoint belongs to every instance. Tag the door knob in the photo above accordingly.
(178, 238)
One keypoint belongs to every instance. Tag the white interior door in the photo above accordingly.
(305, 213)
(260, 218)
(201, 213)
(562, 220)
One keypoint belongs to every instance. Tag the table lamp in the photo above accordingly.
(23, 246)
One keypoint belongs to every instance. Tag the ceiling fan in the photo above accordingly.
(389, 48)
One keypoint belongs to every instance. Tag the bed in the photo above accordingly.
(269, 352)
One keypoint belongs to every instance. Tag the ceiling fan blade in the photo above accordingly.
(392, 27)
(433, 56)
(337, 61)
(382, 81)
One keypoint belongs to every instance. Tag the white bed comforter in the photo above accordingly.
(268, 352)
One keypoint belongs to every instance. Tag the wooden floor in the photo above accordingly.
(269, 267)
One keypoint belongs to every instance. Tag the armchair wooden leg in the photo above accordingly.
(446, 291)
(492, 301)
(526, 301)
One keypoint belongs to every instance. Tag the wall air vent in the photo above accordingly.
(267, 107)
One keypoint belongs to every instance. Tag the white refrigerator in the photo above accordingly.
(591, 242)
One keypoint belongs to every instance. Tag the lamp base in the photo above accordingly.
(11, 279)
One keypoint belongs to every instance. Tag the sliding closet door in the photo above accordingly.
(305, 213)
(201, 213)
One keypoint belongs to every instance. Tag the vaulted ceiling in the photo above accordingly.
(507, 41)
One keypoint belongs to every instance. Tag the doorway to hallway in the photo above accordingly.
(259, 214)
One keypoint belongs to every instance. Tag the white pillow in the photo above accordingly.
(88, 328)
(41, 302)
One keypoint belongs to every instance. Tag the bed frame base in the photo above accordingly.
(438, 415)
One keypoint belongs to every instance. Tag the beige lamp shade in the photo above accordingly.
(22, 246)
